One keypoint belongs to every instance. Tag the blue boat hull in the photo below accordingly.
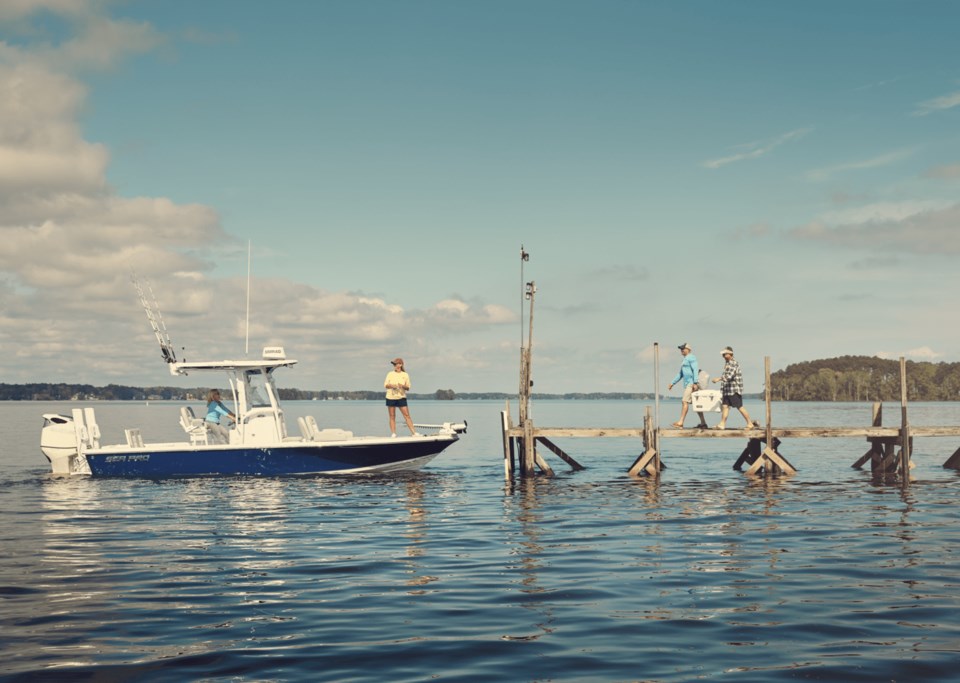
(267, 461)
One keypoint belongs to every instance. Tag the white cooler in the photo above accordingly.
(706, 400)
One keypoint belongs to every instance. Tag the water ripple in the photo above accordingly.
(451, 574)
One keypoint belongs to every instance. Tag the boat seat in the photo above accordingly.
(193, 426)
(332, 435)
(85, 428)
(134, 438)
(92, 427)
(313, 433)
(304, 429)
(81, 433)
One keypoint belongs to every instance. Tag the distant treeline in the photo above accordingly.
(116, 392)
(847, 378)
(865, 378)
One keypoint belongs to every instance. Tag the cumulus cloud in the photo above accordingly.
(757, 149)
(96, 41)
(42, 153)
(911, 227)
(20, 9)
(69, 240)
(457, 314)
(68, 311)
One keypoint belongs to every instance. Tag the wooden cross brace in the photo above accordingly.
(769, 460)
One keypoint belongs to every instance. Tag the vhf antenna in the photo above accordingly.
(156, 320)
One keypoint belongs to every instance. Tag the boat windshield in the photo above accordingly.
(258, 396)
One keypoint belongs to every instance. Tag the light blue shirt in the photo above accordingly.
(689, 370)
(214, 410)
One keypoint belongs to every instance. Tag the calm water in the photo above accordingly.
(449, 574)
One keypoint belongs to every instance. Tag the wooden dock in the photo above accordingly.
(885, 451)
(889, 450)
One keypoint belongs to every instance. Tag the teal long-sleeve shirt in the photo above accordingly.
(689, 370)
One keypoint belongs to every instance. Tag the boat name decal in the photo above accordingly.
(127, 458)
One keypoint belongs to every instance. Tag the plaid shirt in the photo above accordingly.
(732, 378)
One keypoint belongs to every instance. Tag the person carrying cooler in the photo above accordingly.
(688, 374)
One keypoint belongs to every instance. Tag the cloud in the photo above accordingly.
(13, 10)
(919, 353)
(949, 172)
(42, 153)
(647, 354)
(754, 150)
(909, 227)
(874, 162)
(68, 311)
(96, 41)
(880, 212)
(877, 84)
(457, 314)
(938, 104)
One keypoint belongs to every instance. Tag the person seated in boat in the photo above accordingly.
(216, 410)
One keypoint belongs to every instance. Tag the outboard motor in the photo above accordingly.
(58, 441)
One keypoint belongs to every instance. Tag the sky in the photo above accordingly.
(783, 178)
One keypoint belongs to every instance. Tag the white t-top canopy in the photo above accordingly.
(183, 367)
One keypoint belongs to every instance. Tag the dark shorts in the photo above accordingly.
(734, 401)
(396, 403)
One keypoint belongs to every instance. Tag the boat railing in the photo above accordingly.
(446, 427)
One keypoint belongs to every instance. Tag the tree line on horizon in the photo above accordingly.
(865, 378)
(63, 391)
(845, 378)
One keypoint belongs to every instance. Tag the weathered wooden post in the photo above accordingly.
(656, 425)
(904, 424)
(769, 459)
(526, 423)
(505, 426)
(767, 399)
(875, 453)
(647, 461)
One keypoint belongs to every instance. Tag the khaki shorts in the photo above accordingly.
(688, 393)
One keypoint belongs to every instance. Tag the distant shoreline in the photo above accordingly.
(49, 391)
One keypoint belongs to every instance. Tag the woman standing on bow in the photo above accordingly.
(397, 385)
